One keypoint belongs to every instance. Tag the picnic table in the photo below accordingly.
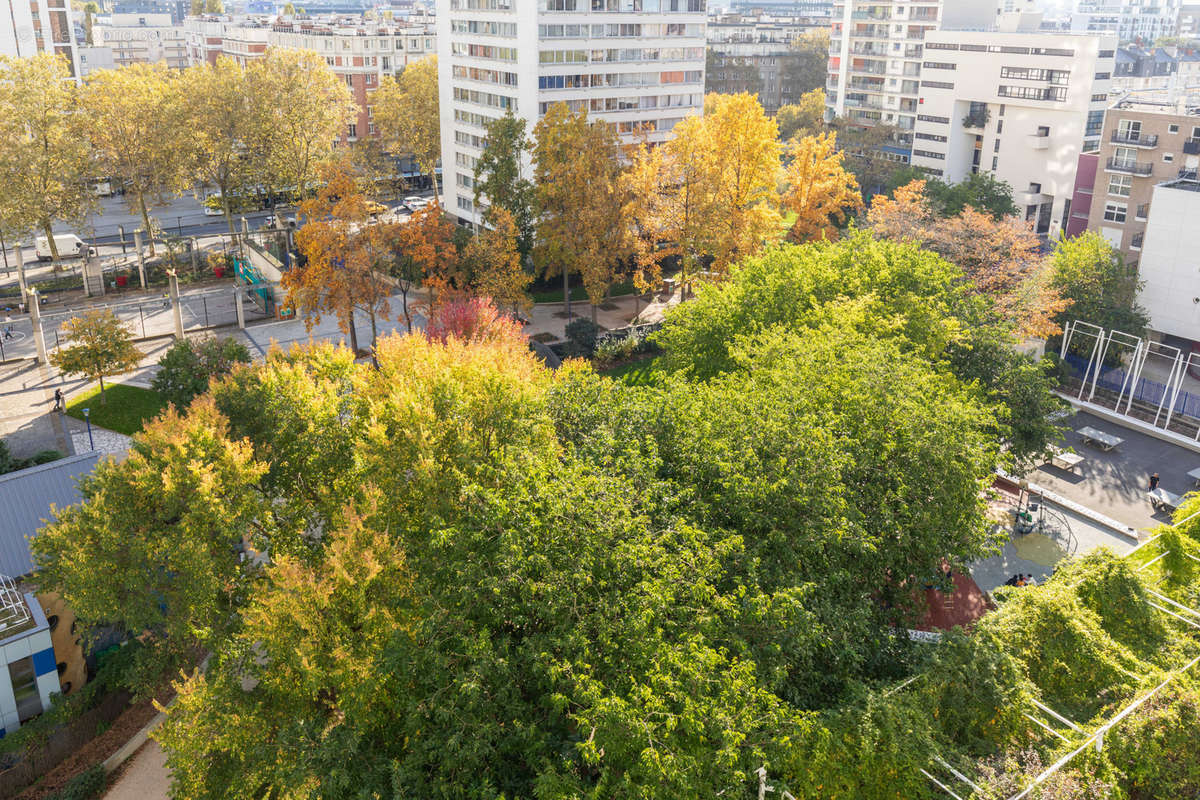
(1163, 500)
(1065, 460)
(1105, 441)
(1195, 475)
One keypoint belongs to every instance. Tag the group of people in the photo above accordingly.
(1020, 580)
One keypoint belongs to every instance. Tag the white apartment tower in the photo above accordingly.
(31, 27)
(876, 49)
(1143, 20)
(636, 63)
(1021, 105)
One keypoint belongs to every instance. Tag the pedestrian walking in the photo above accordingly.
(1154, 481)
(59, 403)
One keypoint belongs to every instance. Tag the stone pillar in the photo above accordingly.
(195, 255)
(137, 245)
(241, 312)
(176, 309)
(20, 253)
(39, 335)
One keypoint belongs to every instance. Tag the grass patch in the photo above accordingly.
(578, 293)
(785, 225)
(126, 410)
(642, 372)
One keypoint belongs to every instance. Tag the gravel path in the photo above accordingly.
(143, 777)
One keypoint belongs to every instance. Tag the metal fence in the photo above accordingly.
(1148, 392)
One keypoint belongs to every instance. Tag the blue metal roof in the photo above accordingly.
(25, 499)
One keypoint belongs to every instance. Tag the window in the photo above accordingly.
(1172, 129)
(927, 118)
(1099, 98)
(1103, 76)
(1120, 185)
(1095, 123)
(938, 65)
(25, 690)
(352, 132)
(1115, 212)
(1124, 156)
(1106, 54)
(995, 163)
(1129, 129)
(1196, 132)
(1168, 158)
(929, 154)
(931, 137)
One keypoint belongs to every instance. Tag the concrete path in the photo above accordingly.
(144, 777)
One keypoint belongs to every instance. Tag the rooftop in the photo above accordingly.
(26, 497)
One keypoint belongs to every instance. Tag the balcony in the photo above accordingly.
(1028, 198)
(1037, 141)
(1143, 211)
(1135, 139)
(1191, 147)
(1128, 167)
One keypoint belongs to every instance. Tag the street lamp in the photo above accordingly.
(87, 417)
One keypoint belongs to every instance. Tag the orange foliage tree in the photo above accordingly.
(494, 261)
(425, 254)
(1002, 259)
(820, 190)
(345, 257)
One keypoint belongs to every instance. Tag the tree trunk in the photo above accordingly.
(594, 314)
(103, 399)
(404, 304)
(353, 334)
(53, 245)
(146, 221)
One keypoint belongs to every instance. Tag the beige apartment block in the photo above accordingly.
(1147, 141)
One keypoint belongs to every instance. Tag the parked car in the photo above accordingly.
(415, 203)
(68, 245)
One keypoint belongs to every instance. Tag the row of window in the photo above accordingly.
(931, 137)
(936, 85)
(472, 118)
(983, 48)
(929, 154)
(590, 80)
(495, 76)
(621, 55)
(623, 31)
(627, 103)
(1051, 93)
(485, 98)
(481, 5)
(1057, 77)
(480, 27)
(635, 6)
(470, 140)
(930, 118)
(465, 160)
(938, 65)
(484, 51)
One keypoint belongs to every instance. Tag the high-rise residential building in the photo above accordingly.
(754, 53)
(38, 26)
(1149, 138)
(142, 38)
(1130, 20)
(876, 50)
(1020, 105)
(1170, 290)
(638, 64)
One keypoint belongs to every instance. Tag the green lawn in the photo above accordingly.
(578, 293)
(644, 372)
(126, 410)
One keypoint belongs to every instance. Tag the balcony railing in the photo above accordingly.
(1135, 139)
(1132, 167)
(1191, 147)
(1143, 211)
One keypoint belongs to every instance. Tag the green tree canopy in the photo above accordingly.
(99, 346)
(1102, 290)
(500, 179)
(186, 368)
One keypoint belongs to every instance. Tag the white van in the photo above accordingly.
(69, 246)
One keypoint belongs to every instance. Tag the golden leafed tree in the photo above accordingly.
(346, 257)
(820, 191)
(300, 109)
(406, 113)
(709, 195)
(905, 216)
(220, 121)
(134, 116)
(45, 156)
(494, 261)
(579, 199)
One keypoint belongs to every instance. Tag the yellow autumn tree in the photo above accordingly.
(578, 198)
(494, 262)
(134, 115)
(709, 195)
(820, 191)
(406, 113)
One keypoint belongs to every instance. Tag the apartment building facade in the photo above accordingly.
(1130, 20)
(752, 54)
(137, 38)
(638, 64)
(876, 51)
(1170, 290)
(29, 27)
(1145, 143)
(1019, 105)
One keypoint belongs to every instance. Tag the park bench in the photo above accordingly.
(1163, 500)
(1065, 460)
(1105, 441)
(1195, 475)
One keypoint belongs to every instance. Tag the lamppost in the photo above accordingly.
(87, 417)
